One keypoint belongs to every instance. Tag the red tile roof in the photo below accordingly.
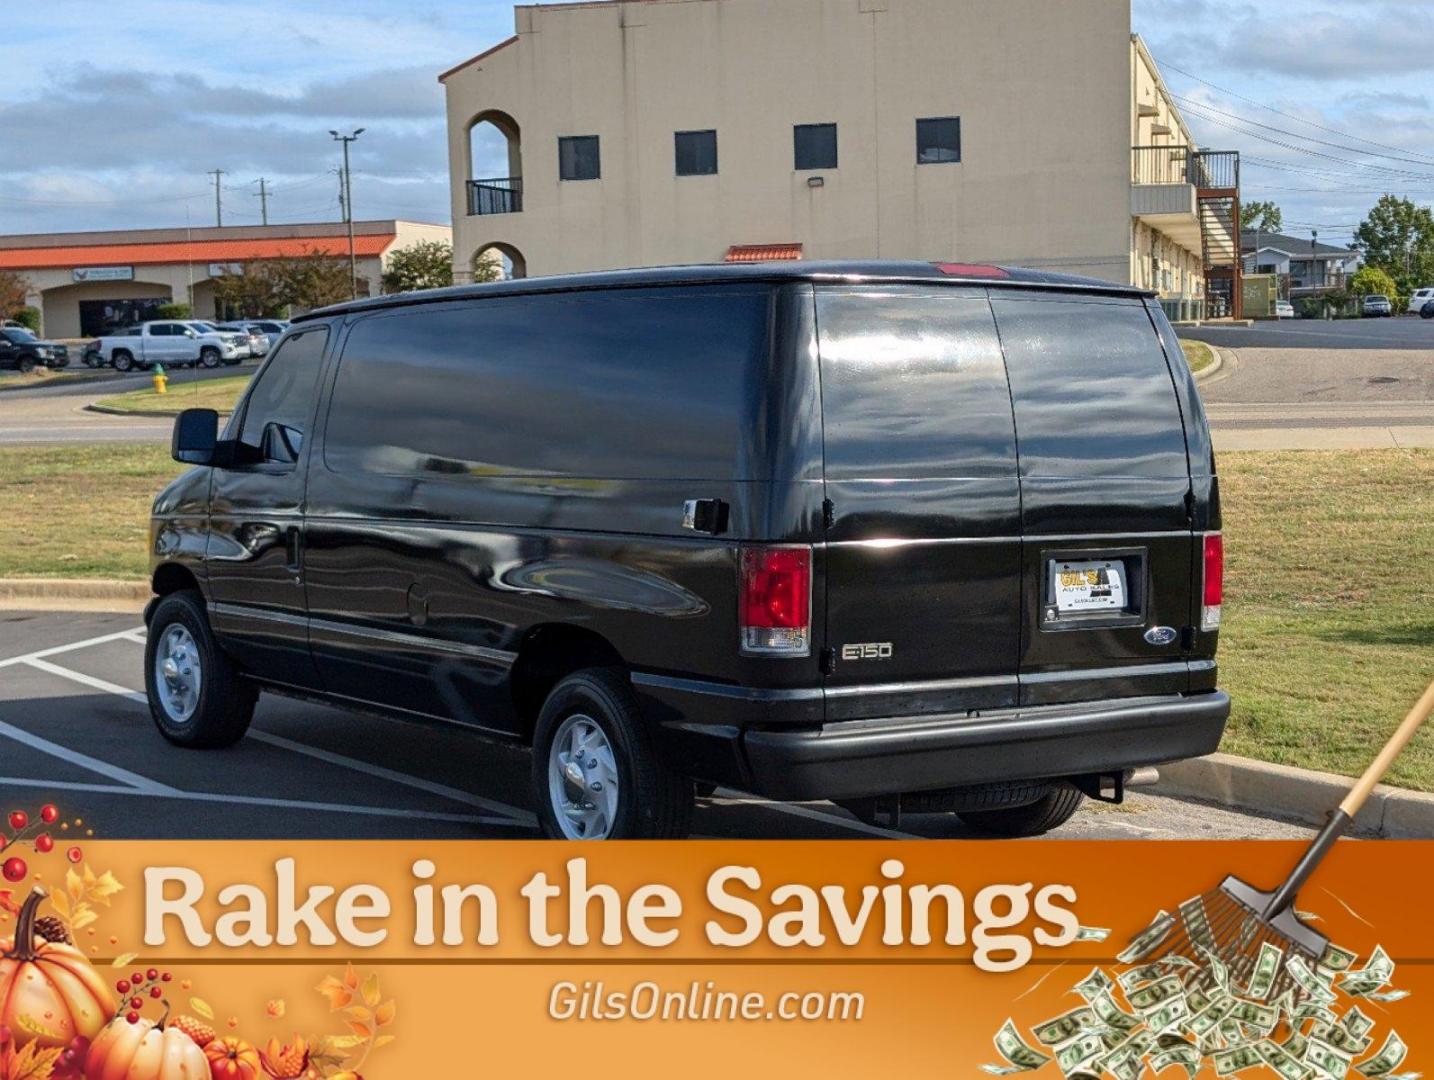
(200, 251)
(741, 253)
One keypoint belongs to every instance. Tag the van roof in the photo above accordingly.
(926, 273)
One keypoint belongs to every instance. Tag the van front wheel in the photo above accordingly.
(1050, 811)
(595, 773)
(197, 697)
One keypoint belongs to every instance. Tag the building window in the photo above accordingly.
(816, 146)
(579, 158)
(696, 153)
(938, 140)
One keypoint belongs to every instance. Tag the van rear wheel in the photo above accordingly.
(196, 695)
(596, 775)
(1050, 811)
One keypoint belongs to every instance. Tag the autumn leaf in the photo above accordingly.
(124, 960)
(363, 1031)
(371, 994)
(359, 1013)
(340, 1042)
(338, 994)
(383, 1040)
(202, 1007)
(7, 902)
(33, 1063)
(384, 1014)
(276, 1008)
(351, 979)
(103, 888)
(74, 885)
(84, 915)
(61, 903)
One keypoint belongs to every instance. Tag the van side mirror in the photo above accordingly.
(196, 434)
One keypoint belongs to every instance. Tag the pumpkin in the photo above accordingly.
(232, 1059)
(49, 993)
(144, 1050)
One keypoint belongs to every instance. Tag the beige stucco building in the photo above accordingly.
(86, 283)
(646, 132)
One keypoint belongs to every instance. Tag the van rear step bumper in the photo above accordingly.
(857, 758)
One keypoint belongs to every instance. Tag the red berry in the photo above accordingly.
(166, 977)
(15, 869)
(137, 978)
(44, 843)
(155, 992)
(49, 813)
(122, 986)
(19, 819)
(136, 1003)
(152, 974)
(74, 854)
(132, 1017)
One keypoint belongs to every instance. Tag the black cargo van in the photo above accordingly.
(898, 535)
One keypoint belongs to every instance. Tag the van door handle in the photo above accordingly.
(705, 516)
(291, 549)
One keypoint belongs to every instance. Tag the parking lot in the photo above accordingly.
(1402, 332)
(74, 729)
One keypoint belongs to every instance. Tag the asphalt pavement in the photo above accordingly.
(74, 729)
(1396, 332)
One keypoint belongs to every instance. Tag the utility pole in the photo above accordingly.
(349, 206)
(263, 200)
(218, 202)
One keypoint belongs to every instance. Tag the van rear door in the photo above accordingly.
(1107, 550)
(922, 562)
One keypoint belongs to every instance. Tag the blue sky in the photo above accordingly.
(1329, 101)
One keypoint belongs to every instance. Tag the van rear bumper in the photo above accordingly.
(858, 758)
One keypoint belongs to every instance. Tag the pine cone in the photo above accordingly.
(52, 929)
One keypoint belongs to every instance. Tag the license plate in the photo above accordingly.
(1098, 585)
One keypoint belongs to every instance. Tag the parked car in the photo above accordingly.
(1376, 304)
(1427, 311)
(1285, 310)
(258, 340)
(172, 343)
(1418, 299)
(899, 536)
(22, 350)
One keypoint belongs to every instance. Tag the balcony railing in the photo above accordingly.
(499, 195)
(1203, 169)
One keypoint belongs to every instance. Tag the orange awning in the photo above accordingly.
(762, 252)
(200, 251)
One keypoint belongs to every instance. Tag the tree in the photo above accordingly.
(487, 266)
(173, 311)
(1398, 237)
(251, 292)
(312, 280)
(29, 317)
(425, 265)
(1264, 216)
(14, 288)
(1372, 281)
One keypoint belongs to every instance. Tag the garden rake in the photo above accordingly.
(1231, 923)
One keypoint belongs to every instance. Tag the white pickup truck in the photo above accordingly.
(172, 343)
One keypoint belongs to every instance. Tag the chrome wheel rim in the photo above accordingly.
(582, 779)
(178, 674)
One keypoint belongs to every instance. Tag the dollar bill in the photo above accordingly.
(1021, 1057)
(1094, 984)
(1071, 1057)
(1197, 923)
(1208, 1019)
(1187, 1056)
(1217, 970)
(1267, 966)
(1281, 1060)
(1308, 981)
(1149, 939)
(1387, 995)
(1197, 998)
(1092, 933)
(1296, 1044)
(1391, 1055)
(1375, 974)
(1168, 1015)
(1327, 1059)
(1112, 1015)
(1336, 959)
(1067, 1026)
(1355, 1022)
(1237, 1059)
(1144, 973)
(1151, 996)
(1259, 1016)
(1340, 1038)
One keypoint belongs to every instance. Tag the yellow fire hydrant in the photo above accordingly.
(161, 380)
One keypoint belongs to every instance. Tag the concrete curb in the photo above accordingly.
(110, 410)
(1300, 794)
(1206, 374)
(73, 594)
(67, 379)
(1226, 364)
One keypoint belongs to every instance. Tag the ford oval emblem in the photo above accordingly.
(1160, 635)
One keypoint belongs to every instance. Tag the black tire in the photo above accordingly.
(225, 699)
(61, 362)
(654, 803)
(123, 360)
(26, 365)
(94, 360)
(1051, 811)
(209, 357)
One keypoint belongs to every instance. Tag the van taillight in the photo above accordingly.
(1214, 587)
(776, 602)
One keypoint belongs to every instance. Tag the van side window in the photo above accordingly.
(277, 413)
(912, 385)
(625, 384)
(1092, 392)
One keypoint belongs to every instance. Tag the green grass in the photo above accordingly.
(1197, 354)
(221, 394)
(1329, 598)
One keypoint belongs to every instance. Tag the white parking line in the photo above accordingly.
(726, 796)
(140, 784)
(55, 650)
(88, 680)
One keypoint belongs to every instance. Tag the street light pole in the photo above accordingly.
(349, 207)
